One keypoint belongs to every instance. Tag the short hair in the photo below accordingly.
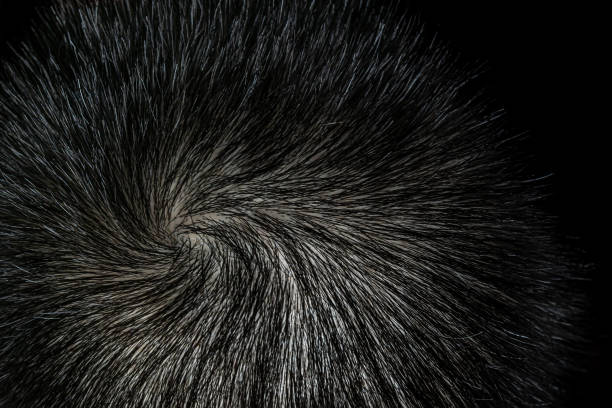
(267, 203)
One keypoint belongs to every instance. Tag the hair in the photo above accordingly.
(271, 204)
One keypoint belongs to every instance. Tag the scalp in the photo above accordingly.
(266, 204)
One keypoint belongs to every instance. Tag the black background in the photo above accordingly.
(544, 64)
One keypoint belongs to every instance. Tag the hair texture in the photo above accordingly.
(266, 204)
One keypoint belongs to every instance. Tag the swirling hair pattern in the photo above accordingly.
(266, 204)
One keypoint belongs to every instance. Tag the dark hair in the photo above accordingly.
(266, 203)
